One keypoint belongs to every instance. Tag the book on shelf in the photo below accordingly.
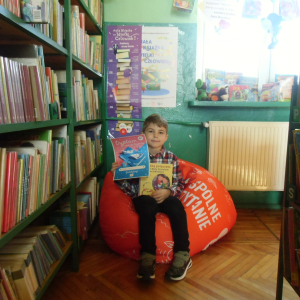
(232, 78)
(270, 92)
(132, 155)
(24, 91)
(286, 84)
(87, 201)
(35, 11)
(160, 177)
(31, 169)
(238, 92)
(252, 83)
(214, 79)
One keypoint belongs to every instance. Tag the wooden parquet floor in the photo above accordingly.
(242, 265)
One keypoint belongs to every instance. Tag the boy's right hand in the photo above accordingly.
(114, 166)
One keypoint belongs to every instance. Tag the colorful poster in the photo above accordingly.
(159, 66)
(124, 71)
(123, 128)
(131, 153)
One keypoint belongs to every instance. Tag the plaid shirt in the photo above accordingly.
(131, 186)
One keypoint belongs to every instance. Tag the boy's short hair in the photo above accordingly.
(157, 120)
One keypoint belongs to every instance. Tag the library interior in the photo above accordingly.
(115, 185)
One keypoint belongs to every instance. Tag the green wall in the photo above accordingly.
(187, 138)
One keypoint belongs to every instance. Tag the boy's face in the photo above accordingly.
(156, 137)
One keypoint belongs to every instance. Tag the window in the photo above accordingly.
(243, 47)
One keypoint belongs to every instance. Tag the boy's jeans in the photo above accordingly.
(147, 208)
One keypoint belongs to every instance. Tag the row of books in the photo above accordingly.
(26, 261)
(96, 9)
(33, 166)
(87, 207)
(87, 150)
(27, 87)
(85, 96)
(245, 88)
(87, 47)
(53, 26)
(13, 6)
(29, 91)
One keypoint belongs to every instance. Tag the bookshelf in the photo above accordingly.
(14, 30)
(284, 258)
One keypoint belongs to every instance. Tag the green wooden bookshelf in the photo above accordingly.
(14, 30)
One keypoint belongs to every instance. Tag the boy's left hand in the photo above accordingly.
(161, 195)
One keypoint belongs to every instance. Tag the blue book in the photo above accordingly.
(132, 155)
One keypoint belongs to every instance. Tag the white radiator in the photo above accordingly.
(248, 156)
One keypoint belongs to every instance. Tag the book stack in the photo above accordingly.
(87, 151)
(12, 6)
(32, 167)
(87, 206)
(46, 16)
(123, 87)
(26, 261)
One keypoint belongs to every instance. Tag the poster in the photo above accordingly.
(223, 13)
(124, 45)
(123, 128)
(159, 66)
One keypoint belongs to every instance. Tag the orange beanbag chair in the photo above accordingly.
(209, 208)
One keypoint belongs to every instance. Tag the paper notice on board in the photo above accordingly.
(223, 12)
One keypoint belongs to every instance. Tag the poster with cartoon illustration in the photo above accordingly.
(124, 72)
(159, 66)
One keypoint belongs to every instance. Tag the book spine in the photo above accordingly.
(39, 93)
(28, 94)
(9, 91)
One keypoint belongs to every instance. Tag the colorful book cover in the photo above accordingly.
(35, 11)
(160, 177)
(238, 92)
(232, 78)
(270, 92)
(252, 82)
(286, 84)
(132, 155)
(214, 79)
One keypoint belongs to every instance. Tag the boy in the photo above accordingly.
(164, 200)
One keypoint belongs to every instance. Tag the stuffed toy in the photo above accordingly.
(220, 95)
(201, 90)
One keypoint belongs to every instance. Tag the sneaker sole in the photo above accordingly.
(183, 275)
(145, 277)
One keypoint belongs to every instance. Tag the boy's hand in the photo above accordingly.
(161, 195)
(114, 166)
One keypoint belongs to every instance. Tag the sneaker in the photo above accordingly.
(182, 262)
(147, 266)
